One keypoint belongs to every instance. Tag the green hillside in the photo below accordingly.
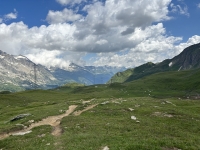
(155, 112)
(121, 77)
(188, 59)
(173, 83)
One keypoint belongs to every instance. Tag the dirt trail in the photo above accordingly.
(53, 121)
(77, 113)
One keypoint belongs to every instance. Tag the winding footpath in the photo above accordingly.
(53, 121)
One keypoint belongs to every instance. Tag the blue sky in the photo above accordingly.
(98, 32)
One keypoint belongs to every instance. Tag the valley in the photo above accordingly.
(18, 73)
(157, 110)
(133, 115)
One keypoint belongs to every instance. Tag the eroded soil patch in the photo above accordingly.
(53, 121)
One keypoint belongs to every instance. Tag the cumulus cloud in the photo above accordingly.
(49, 59)
(126, 14)
(121, 32)
(55, 58)
(151, 50)
(66, 15)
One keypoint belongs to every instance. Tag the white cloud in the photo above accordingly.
(67, 2)
(121, 32)
(10, 16)
(198, 5)
(128, 14)
(48, 58)
(55, 58)
(66, 15)
(151, 50)
(181, 9)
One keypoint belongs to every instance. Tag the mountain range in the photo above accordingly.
(19, 73)
(188, 59)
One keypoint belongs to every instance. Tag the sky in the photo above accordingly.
(121, 33)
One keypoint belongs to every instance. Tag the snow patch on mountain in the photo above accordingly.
(2, 57)
(19, 71)
(170, 64)
(21, 57)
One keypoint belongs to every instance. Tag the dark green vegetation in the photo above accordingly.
(166, 106)
(188, 59)
(10, 87)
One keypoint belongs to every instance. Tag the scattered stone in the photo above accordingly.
(162, 114)
(19, 117)
(168, 102)
(163, 103)
(42, 135)
(31, 121)
(157, 114)
(168, 115)
(105, 103)
(133, 118)
(85, 102)
(61, 111)
(131, 109)
(22, 133)
(138, 121)
(106, 148)
(137, 105)
(20, 125)
(48, 144)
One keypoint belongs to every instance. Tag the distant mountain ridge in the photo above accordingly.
(189, 58)
(87, 75)
(17, 73)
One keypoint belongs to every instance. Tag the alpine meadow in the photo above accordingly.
(158, 110)
(99, 75)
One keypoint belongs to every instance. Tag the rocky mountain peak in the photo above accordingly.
(2, 53)
(18, 72)
(189, 58)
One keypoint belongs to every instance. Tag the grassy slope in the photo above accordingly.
(137, 73)
(188, 58)
(183, 83)
(110, 124)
